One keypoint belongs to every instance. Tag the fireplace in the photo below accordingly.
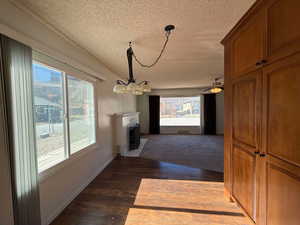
(134, 137)
(127, 132)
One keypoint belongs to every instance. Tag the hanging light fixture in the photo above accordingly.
(217, 86)
(130, 86)
(216, 90)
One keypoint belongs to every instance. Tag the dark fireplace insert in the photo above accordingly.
(134, 137)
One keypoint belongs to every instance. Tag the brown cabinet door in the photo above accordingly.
(281, 100)
(244, 179)
(280, 187)
(248, 45)
(246, 106)
(282, 194)
(246, 109)
(283, 28)
(279, 193)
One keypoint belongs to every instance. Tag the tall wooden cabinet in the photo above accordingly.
(246, 99)
(262, 112)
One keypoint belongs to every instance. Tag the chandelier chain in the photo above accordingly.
(159, 56)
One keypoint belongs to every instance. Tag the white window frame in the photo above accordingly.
(69, 157)
(95, 112)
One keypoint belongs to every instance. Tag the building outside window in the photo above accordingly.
(180, 111)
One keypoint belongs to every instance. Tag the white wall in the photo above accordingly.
(176, 92)
(61, 186)
(143, 107)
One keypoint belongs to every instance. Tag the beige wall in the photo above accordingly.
(60, 186)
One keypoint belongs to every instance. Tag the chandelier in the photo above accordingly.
(131, 86)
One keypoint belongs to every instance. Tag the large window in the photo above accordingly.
(64, 115)
(180, 111)
(81, 113)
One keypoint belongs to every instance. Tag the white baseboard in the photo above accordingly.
(74, 194)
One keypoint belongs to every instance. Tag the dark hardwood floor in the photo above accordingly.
(135, 191)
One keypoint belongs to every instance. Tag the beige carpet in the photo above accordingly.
(198, 151)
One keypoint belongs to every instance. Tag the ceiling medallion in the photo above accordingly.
(130, 86)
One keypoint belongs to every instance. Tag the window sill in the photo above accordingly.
(43, 175)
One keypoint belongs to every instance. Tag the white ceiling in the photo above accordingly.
(104, 27)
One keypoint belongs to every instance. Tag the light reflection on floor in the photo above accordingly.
(180, 202)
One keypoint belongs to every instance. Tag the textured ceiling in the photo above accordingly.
(104, 27)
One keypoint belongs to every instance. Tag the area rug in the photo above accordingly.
(197, 151)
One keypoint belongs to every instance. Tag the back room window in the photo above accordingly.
(180, 111)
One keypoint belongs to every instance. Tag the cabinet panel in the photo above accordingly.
(282, 107)
(283, 196)
(244, 179)
(248, 46)
(246, 97)
(283, 27)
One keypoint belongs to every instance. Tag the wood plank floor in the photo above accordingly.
(135, 191)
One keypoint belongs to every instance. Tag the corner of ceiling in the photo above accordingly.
(25, 8)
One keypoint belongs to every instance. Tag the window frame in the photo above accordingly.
(69, 157)
(95, 112)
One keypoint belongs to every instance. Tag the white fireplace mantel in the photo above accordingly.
(123, 121)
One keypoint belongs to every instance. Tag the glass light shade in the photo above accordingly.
(123, 90)
(118, 88)
(132, 87)
(139, 87)
(146, 87)
(216, 90)
(137, 92)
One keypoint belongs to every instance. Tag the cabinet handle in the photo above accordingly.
(256, 153)
(263, 61)
(262, 155)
